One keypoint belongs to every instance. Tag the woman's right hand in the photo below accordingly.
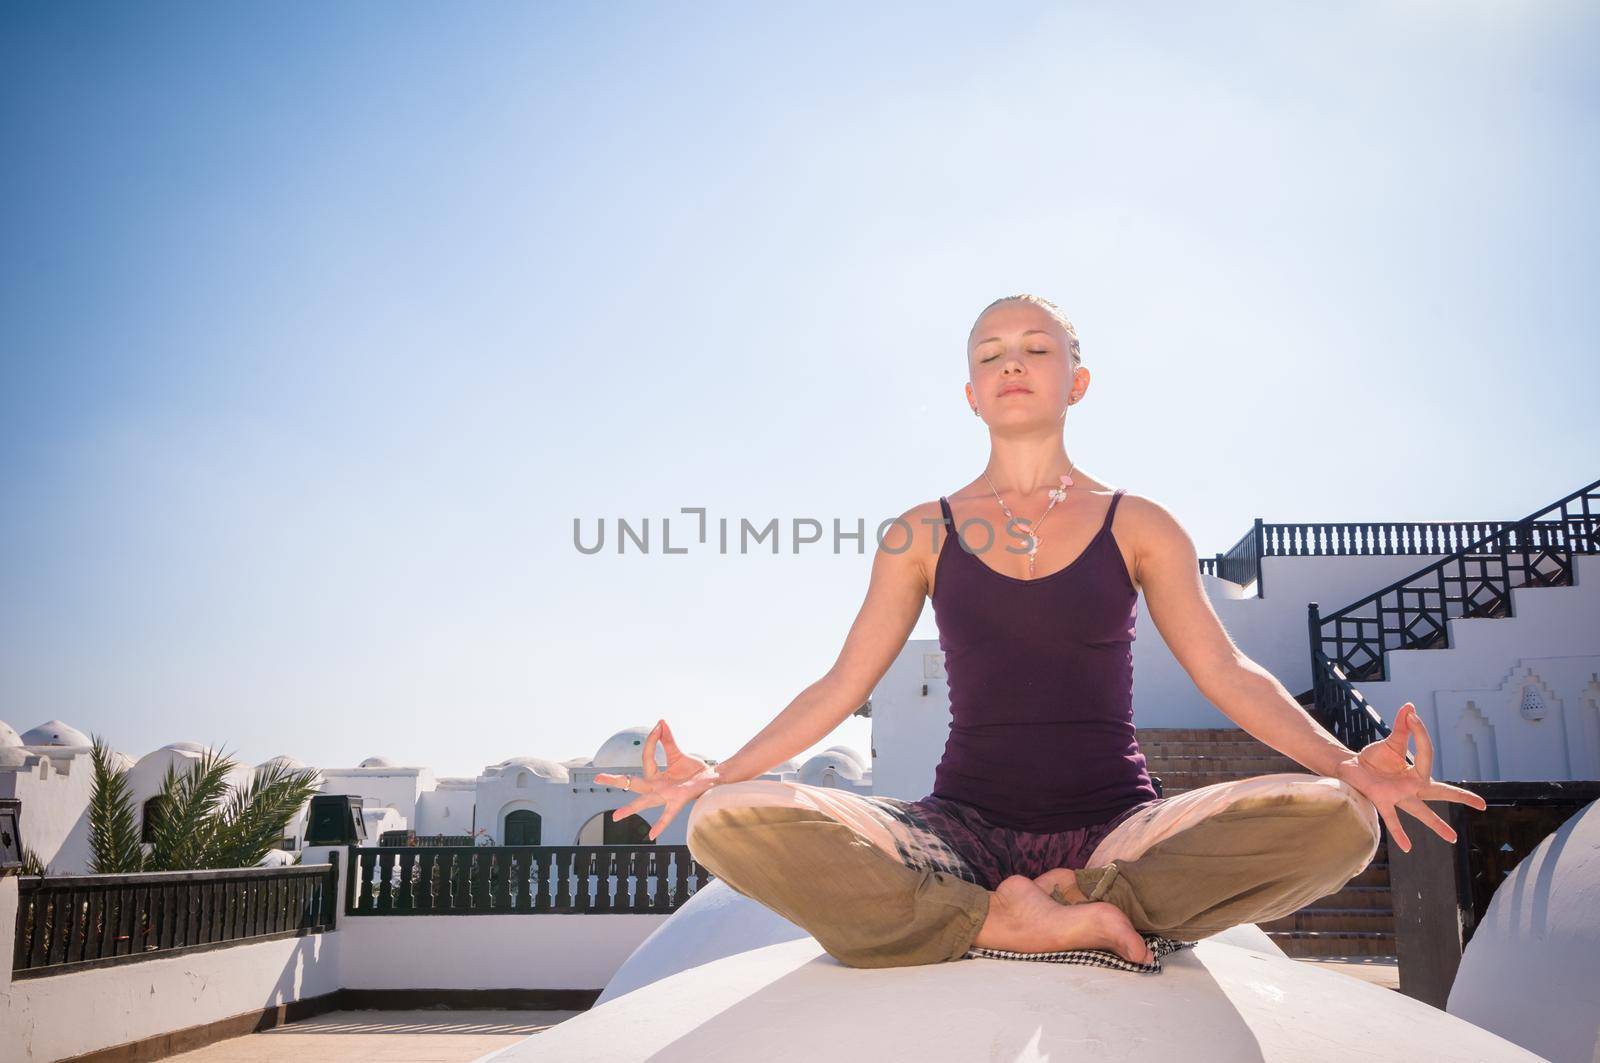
(684, 778)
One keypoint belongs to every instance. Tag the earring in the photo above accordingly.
(975, 412)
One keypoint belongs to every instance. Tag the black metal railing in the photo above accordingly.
(1241, 562)
(411, 839)
(506, 879)
(68, 923)
(1349, 646)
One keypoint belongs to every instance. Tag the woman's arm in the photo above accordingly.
(894, 601)
(895, 594)
(1247, 693)
(1168, 571)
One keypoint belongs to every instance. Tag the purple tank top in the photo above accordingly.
(1041, 684)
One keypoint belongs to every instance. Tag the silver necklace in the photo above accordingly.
(1056, 495)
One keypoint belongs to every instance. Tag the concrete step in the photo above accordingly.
(1375, 874)
(1244, 766)
(1333, 943)
(1380, 920)
(1174, 781)
(1206, 749)
(1193, 734)
(1353, 896)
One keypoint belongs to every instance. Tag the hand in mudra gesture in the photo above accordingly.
(684, 778)
(1382, 773)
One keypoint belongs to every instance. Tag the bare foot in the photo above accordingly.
(1062, 886)
(1023, 918)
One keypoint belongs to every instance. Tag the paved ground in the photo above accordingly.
(1379, 970)
(382, 1037)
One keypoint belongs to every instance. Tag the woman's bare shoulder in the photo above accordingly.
(1146, 528)
(915, 527)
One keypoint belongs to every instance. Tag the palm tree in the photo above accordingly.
(199, 819)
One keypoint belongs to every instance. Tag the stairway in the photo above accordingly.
(1356, 921)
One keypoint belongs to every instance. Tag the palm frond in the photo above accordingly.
(257, 814)
(190, 803)
(32, 865)
(113, 827)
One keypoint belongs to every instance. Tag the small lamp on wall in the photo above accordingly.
(10, 836)
(1532, 704)
(335, 819)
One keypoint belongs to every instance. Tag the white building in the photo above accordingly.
(523, 800)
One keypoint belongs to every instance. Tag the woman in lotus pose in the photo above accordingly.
(1043, 832)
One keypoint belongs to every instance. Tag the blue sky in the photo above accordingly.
(319, 326)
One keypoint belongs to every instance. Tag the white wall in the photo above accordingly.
(54, 790)
(396, 787)
(487, 951)
(447, 808)
(63, 1015)
(1470, 695)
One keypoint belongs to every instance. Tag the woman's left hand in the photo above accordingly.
(1383, 775)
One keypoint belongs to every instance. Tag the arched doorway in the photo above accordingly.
(523, 827)
(151, 818)
(604, 830)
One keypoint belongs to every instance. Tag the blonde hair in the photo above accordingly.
(1048, 307)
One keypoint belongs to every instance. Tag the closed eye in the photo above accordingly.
(992, 357)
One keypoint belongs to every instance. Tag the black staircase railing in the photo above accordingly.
(1348, 647)
(1241, 562)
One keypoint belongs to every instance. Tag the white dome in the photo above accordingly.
(1531, 971)
(376, 762)
(545, 769)
(13, 756)
(8, 737)
(625, 749)
(186, 747)
(851, 753)
(276, 858)
(718, 921)
(789, 765)
(287, 761)
(815, 770)
(55, 733)
(1214, 1003)
(119, 761)
(579, 762)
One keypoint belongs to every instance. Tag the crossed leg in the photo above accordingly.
(1236, 852)
(875, 887)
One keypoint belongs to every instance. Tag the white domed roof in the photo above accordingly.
(817, 768)
(376, 762)
(1529, 973)
(8, 737)
(540, 766)
(55, 733)
(717, 921)
(625, 749)
(289, 762)
(186, 747)
(789, 765)
(13, 756)
(1248, 1003)
(851, 753)
(119, 761)
(578, 762)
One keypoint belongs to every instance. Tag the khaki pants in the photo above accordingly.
(881, 882)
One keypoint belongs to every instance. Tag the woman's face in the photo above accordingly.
(1019, 363)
